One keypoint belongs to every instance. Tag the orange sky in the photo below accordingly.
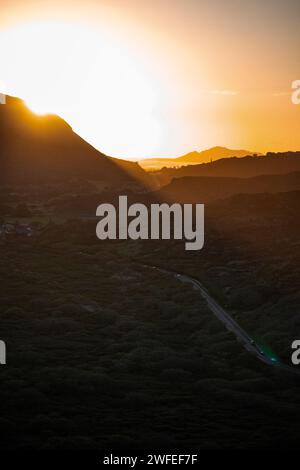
(161, 78)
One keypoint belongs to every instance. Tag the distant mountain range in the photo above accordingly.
(44, 149)
(205, 189)
(244, 167)
(193, 158)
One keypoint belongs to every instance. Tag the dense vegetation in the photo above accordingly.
(106, 353)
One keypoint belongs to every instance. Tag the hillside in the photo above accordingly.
(245, 167)
(207, 188)
(88, 319)
(44, 149)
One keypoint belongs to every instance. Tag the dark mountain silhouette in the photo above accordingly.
(245, 167)
(207, 188)
(214, 153)
(38, 149)
(192, 158)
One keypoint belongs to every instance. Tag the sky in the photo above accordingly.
(141, 78)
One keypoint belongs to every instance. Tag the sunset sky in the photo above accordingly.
(141, 78)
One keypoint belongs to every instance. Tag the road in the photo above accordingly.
(231, 325)
(242, 336)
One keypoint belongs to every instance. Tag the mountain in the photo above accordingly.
(214, 153)
(207, 188)
(244, 167)
(193, 158)
(44, 149)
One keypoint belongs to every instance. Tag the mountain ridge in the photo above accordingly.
(243, 167)
(39, 149)
(204, 189)
(194, 157)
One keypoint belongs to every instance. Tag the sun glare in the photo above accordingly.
(92, 80)
(37, 108)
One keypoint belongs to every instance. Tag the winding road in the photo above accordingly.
(242, 336)
(230, 323)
